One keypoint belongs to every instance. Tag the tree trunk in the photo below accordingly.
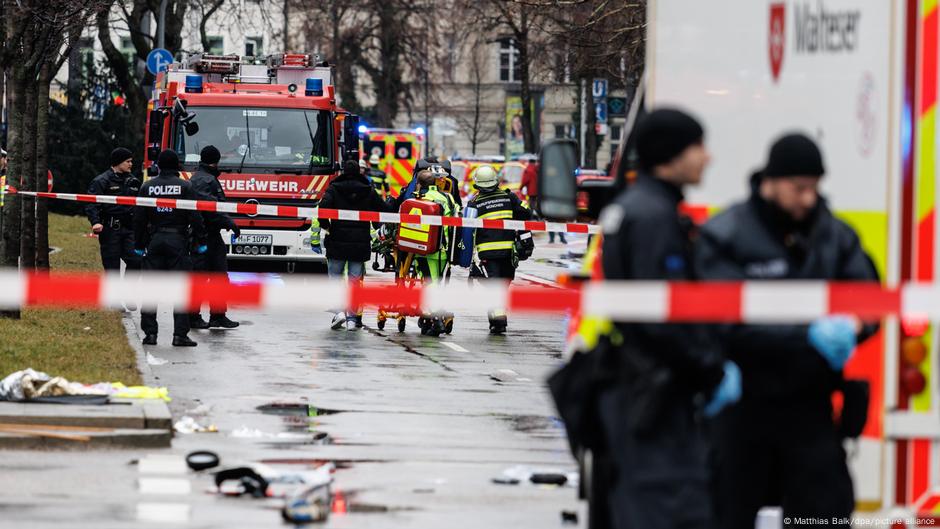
(11, 207)
(75, 77)
(28, 204)
(42, 168)
(286, 29)
(590, 134)
(528, 135)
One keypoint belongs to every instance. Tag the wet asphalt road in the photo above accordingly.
(418, 427)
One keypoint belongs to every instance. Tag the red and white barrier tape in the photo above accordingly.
(754, 302)
(322, 213)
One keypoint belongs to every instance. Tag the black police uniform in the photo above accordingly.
(778, 445)
(206, 186)
(116, 240)
(496, 248)
(165, 233)
(654, 438)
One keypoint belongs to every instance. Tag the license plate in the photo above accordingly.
(253, 238)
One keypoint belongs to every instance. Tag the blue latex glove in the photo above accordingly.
(140, 252)
(202, 248)
(834, 338)
(728, 390)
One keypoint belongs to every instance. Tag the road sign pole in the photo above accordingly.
(584, 112)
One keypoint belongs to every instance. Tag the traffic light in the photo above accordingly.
(913, 355)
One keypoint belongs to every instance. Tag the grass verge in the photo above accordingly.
(81, 345)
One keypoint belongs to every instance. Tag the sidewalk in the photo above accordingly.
(125, 423)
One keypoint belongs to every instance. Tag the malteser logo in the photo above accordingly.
(777, 37)
(817, 30)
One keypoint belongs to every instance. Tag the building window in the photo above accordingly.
(216, 45)
(253, 46)
(510, 69)
(615, 133)
(128, 50)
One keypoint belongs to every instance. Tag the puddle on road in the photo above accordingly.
(536, 425)
(295, 409)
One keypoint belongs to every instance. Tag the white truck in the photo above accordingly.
(860, 76)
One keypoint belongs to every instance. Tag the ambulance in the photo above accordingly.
(280, 131)
(859, 76)
(398, 149)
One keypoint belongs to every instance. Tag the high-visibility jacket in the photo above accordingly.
(497, 204)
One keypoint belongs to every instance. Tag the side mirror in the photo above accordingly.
(351, 138)
(192, 128)
(155, 134)
(558, 189)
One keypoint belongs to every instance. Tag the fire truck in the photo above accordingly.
(398, 151)
(280, 131)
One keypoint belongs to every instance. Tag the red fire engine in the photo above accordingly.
(281, 134)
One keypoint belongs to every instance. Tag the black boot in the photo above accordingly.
(183, 341)
(196, 322)
(150, 339)
(222, 321)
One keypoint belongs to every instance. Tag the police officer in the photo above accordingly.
(667, 375)
(779, 445)
(206, 186)
(377, 176)
(162, 238)
(112, 222)
(497, 250)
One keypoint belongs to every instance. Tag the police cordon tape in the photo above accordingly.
(319, 213)
(751, 302)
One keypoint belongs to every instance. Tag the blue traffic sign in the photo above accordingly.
(600, 112)
(599, 88)
(158, 59)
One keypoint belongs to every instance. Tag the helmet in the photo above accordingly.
(485, 177)
(374, 159)
(363, 164)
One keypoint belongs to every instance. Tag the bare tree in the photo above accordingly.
(208, 9)
(604, 39)
(125, 72)
(520, 21)
(473, 122)
(35, 39)
(340, 45)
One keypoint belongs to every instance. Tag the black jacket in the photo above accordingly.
(349, 240)
(646, 238)
(147, 220)
(206, 186)
(498, 204)
(754, 240)
(114, 184)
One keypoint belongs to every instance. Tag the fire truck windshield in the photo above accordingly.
(260, 138)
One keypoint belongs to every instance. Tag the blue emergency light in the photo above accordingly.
(314, 87)
(193, 84)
